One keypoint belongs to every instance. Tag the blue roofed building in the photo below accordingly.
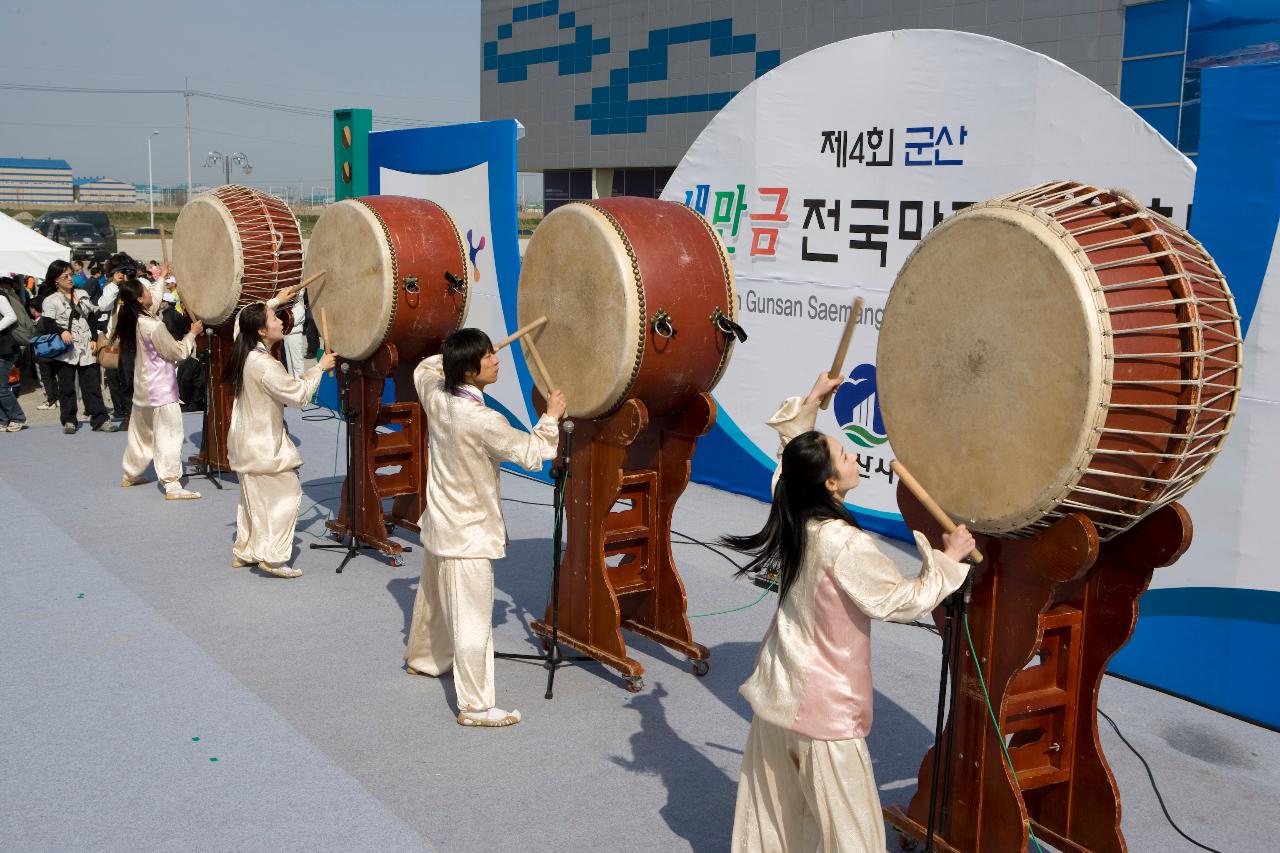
(30, 181)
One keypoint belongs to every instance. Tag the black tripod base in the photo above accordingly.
(353, 549)
(551, 660)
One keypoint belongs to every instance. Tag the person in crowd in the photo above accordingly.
(13, 313)
(295, 342)
(155, 424)
(78, 278)
(73, 311)
(121, 268)
(462, 528)
(258, 446)
(806, 780)
(43, 367)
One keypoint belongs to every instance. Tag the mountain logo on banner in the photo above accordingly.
(857, 408)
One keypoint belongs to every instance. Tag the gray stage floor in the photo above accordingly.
(135, 656)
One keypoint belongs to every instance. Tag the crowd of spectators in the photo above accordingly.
(52, 339)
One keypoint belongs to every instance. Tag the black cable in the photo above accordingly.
(1154, 787)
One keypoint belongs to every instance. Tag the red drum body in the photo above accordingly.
(396, 272)
(1060, 349)
(232, 246)
(640, 300)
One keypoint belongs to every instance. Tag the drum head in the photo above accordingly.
(577, 272)
(990, 366)
(208, 260)
(357, 293)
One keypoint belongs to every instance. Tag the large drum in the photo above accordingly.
(232, 246)
(395, 272)
(640, 301)
(1059, 349)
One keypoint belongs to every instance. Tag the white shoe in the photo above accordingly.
(182, 495)
(16, 426)
(237, 563)
(44, 407)
(280, 571)
(493, 718)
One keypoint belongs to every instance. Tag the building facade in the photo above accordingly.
(26, 181)
(102, 190)
(613, 92)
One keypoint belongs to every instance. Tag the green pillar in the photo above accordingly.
(351, 152)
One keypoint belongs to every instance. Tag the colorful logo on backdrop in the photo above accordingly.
(474, 249)
(857, 408)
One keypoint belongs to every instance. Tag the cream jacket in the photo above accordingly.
(256, 440)
(813, 674)
(468, 441)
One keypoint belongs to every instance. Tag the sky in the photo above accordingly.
(417, 59)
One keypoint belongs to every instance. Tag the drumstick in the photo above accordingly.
(164, 250)
(311, 279)
(324, 332)
(537, 360)
(929, 503)
(519, 333)
(837, 364)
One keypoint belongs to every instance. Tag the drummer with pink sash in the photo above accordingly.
(806, 781)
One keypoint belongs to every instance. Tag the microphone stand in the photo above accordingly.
(956, 606)
(348, 541)
(552, 659)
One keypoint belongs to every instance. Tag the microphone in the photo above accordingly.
(568, 427)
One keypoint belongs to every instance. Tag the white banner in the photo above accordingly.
(824, 174)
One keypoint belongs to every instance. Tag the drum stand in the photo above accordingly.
(212, 458)
(618, 566)
(1046, 615)
(380, 465)
(551, 657)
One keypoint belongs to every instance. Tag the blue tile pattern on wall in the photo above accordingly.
(611, 109)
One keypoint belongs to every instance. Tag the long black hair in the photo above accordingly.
(462, 352)
(800, 496)
(126, 328)
(252, 320)
(51, 276)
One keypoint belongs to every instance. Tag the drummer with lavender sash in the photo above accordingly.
(463, 531)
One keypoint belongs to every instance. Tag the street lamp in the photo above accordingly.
(240, 159)
(151, 187)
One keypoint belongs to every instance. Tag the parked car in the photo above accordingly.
(97, 218)
(83, 239)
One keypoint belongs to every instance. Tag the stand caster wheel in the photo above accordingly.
(635, 683)
(397, 560)
(699, 667)
(906, 842)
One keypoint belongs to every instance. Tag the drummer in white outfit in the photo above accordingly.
(462, 528)
(295, 343)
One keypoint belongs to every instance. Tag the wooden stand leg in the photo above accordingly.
(217, 407)
(1046, 616)
(618, 570)
(385, 464)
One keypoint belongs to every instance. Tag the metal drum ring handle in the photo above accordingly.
(727, 327)
(661, 324)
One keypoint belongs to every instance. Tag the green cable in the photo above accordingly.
(767, 590)
(986, 697)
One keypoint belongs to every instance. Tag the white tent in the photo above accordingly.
(25, 251)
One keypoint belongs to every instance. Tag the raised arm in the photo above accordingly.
(168, 348)
(879, 590)
(428, 378)
(286, 390)
(797, 415)
(529, 450)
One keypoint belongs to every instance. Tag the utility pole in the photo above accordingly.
(151, 187)
(186, 108)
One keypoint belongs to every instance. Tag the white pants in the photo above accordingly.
(797, 795)
(155, 437)
(266, 517)
(295, 349)
(452, 627)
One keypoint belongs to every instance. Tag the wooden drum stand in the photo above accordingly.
(632, 458)
(214, 351)
(1046, 616)
(381, 464)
